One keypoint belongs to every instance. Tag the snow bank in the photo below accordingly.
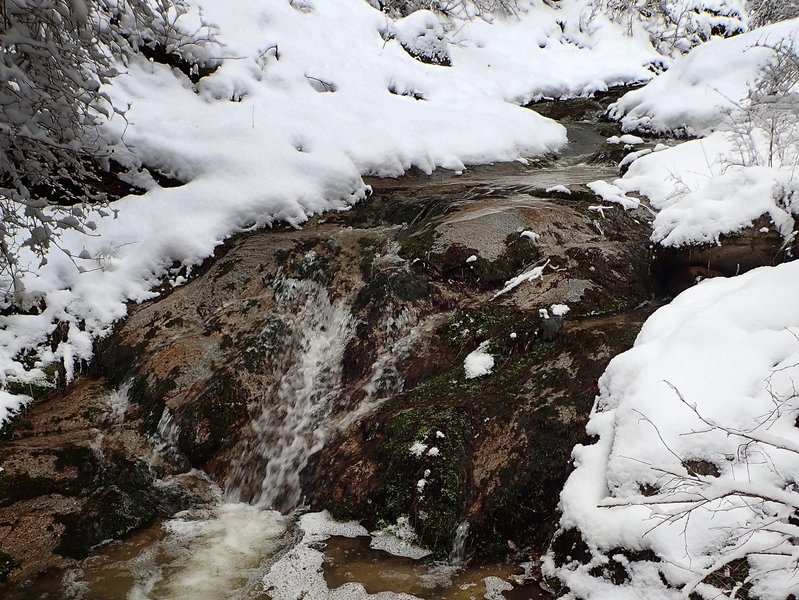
(720, 184)
(700, 87)
(310, 96)
(701, 191)
(730, 347)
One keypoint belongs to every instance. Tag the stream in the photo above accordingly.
(315, 378)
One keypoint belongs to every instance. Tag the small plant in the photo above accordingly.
(674, 26)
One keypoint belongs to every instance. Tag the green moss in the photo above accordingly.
(35, 389)
(261, 350)
(417, 244)
(435, 513)
(342, 510)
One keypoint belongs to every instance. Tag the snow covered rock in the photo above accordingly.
(700, 88)
(422, 35)
(692, 469)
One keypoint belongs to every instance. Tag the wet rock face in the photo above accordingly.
(306, 365)
(75, 474)
(493, 451)
(393, 295)
(502, 443)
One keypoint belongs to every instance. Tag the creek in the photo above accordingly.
(294, 371)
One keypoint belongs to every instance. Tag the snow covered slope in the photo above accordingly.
(704, 481)
(310, 95)
(690, 490)
(702, 190)
(744, 98)
(701, 87)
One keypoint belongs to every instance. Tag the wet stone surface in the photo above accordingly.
(303, 366)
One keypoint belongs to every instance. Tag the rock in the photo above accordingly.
(74, 475)
(303, 364)
(550, 327)
(677, 269)
(507, 441)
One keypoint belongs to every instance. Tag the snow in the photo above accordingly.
(531, 235)
(613, 193)
(701, 191)
(560, 310)
(531, 275)
(478, 362)
(730, 348)
(309, 97)
(633, 156)
(422, 34)
(695, 93)
(417, 449)
(600, 209)
(739, 171)
(471, 259)
(560, 189)
(625, 139)
(699, 417)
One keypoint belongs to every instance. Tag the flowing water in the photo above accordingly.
(238, 551)
(252, 543)
(308, 375)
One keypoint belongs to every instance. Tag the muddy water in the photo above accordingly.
(352, 560)
(230, 552)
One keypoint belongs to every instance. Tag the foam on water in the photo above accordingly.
(220, 555)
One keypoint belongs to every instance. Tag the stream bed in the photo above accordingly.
(321, 369)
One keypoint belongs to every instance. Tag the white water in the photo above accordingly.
(212, 554)
(458, 551)
(290, 426)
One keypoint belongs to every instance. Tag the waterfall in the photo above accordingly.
(458, 551)
(290, 426)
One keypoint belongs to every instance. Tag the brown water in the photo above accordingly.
(352, 560)
(230, 552)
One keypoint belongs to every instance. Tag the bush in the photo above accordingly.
(763, 12)
(459, 8)
(766, 123)
(674, 26)
(54, 162)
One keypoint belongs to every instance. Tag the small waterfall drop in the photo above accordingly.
(290, 426)
(458, 551)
